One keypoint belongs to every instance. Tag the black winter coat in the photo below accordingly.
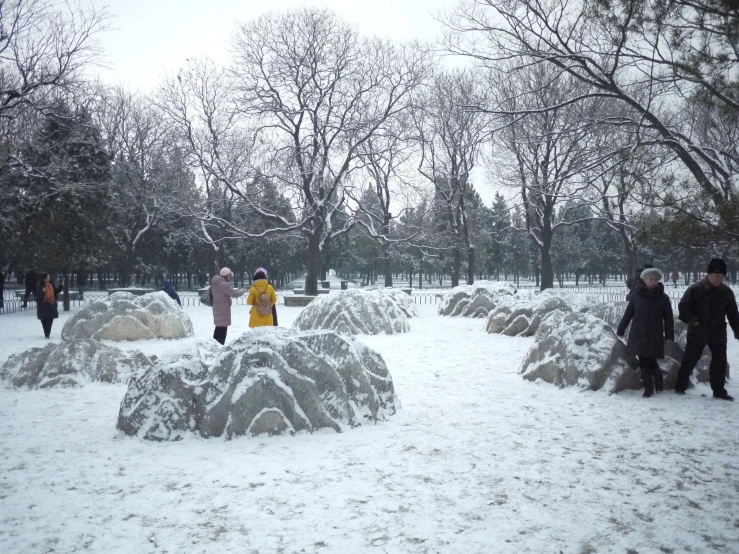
(647, 311)
(705, 309)
(46, 310)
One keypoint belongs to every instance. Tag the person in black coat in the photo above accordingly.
(31, 281)
(705, 307)
(46, 308)
(650, 314)
(167, 287)
(2, 287)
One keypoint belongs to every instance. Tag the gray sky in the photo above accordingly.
(151, 37)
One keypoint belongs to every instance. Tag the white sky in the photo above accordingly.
(151, 37)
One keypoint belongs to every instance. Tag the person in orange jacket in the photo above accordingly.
(261, 298)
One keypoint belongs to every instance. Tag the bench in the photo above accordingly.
(298, 300)
(73, 295)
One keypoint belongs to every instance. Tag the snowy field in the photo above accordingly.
(476, 461)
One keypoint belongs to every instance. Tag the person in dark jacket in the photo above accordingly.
(705, 307)
(631, 283)
(46, 308)
(650, 314)
(2, 288)
(31, 281)
(169, 289)
(81, 282)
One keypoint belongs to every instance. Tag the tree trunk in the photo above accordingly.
(313, 265)
(388, 270)
(470, 265)
(547, 272)
(66, 292)
(456, 266)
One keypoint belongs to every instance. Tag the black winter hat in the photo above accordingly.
(716, 265)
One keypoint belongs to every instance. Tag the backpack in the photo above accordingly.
(264, 302)
(206, 298)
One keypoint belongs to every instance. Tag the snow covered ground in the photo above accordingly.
(476, 461)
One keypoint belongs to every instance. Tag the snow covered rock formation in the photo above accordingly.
(476, 300)
(522, 313)
(579, 349)
(72, 364)
(355, 312)
(271, 380)
(123, 316)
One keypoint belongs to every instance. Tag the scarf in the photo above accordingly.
(49, 293)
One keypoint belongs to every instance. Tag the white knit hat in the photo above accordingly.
(651, 271)
(225, 272)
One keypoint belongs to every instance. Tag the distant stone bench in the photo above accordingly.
(134, 291)
(320, 291)
(298, 300)
(407, 291)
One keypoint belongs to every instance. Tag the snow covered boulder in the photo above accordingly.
(160, 402)
(355, 312)
(476, 300)
(72, 364)
(579, 349)
(521, 314)
(123, 316)
(269, 381)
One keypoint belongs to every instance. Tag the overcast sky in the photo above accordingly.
(151, 37)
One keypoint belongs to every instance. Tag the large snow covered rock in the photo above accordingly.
(579, 349)
(123, 316)
(271, 380)
(71, 364)
(475, 300)
(355, 312)
(522, 313)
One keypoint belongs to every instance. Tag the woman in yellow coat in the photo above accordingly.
(261, 313)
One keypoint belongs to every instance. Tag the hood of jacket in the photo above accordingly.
(656, 292)
(261, 285)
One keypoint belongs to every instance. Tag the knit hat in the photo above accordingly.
(225, 272)
(262, 271)
(716, 265)
(651, 271)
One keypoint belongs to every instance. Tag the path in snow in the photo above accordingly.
(477, 460)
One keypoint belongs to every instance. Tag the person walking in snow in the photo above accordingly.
(631, 283)
(169, 289)
(705, 307)
(222, 292)
(46, 298)
(650, 314)
(674, 277)
(262, 299)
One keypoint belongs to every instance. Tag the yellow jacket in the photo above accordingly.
(260, 286)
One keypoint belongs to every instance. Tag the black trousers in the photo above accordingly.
(29, 292)
(651, 374)
(220, 334)
(46, 324)
(717, 369)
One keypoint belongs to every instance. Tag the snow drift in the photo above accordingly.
(72, 364)
(355, 312)
(124, 316)
(269, 381)
(475, 300)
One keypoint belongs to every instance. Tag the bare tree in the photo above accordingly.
(648, 56)
(302, 96)
(545, 154)
(147, 169)
(319, 92)
(451, 132)
(44, 46)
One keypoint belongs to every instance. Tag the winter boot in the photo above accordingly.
(723, 396)
(646, 375)
(659, 385)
